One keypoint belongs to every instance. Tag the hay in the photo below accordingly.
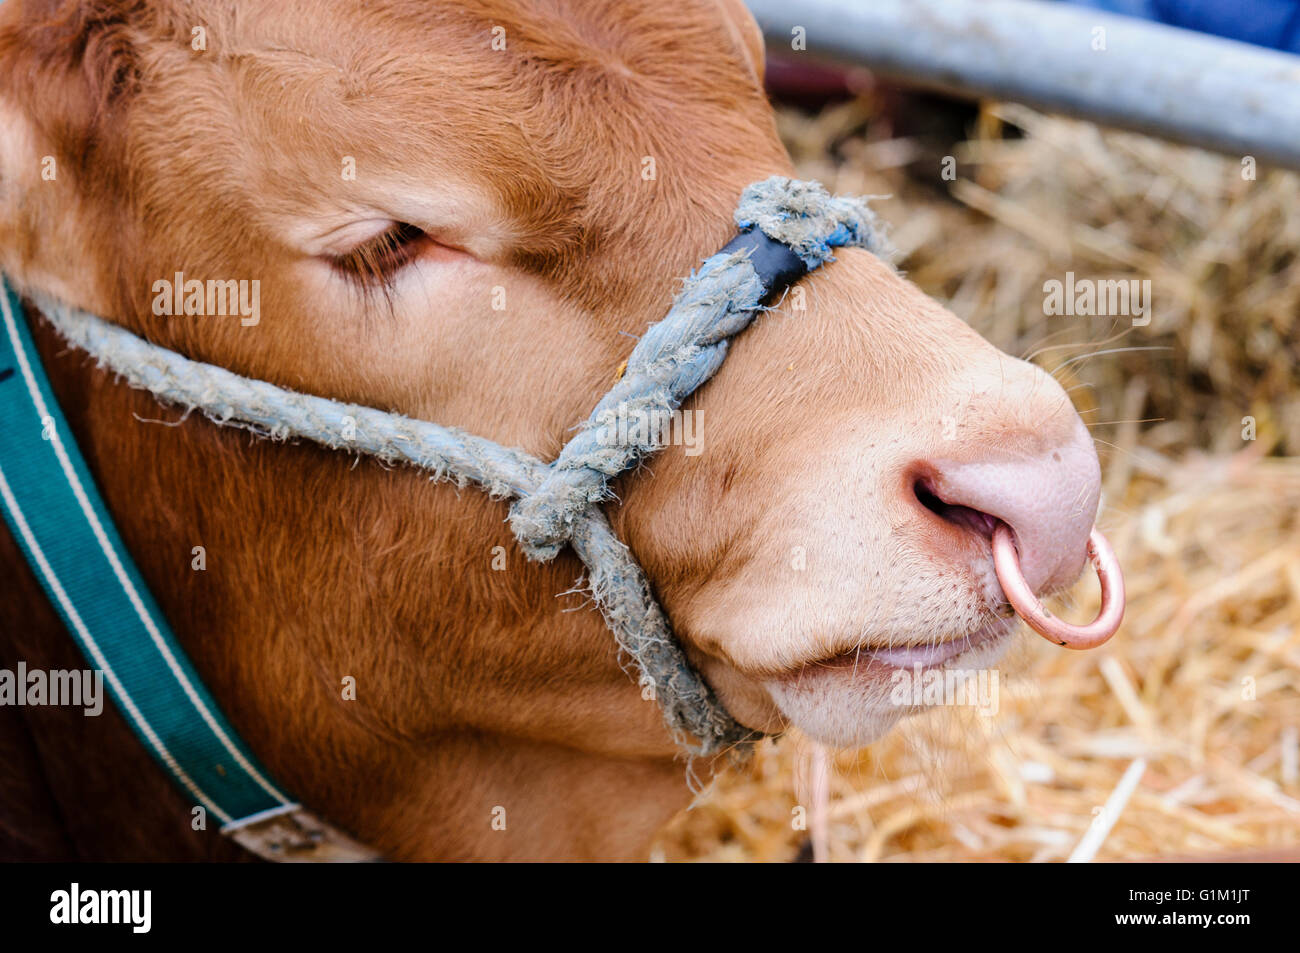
(1203, 681)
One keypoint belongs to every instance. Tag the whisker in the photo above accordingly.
(1116, 446)
(1060, 347)
(1041, 345)
(1113, 350)
(1144, 420)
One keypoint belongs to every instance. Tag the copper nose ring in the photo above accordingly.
(1006, 562)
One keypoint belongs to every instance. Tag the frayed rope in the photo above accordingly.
(557, 503)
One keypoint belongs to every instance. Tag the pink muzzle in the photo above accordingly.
(1006, 561)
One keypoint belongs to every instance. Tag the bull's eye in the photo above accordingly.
(377, 260)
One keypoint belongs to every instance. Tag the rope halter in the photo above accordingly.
(688, 346)
(788, 228)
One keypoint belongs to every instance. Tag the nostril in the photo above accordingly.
(1049, 504)
(963, 516)
(927, 498)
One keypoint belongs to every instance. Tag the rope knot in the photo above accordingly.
(809, 219)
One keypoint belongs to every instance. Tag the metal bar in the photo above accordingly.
(1191, 87)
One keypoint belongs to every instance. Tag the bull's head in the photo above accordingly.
(462, 211)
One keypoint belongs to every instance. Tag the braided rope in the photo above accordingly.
(684, 350)
(556, 503)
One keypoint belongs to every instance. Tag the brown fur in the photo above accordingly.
(476, 689)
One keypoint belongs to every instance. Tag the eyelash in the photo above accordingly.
(377, 261)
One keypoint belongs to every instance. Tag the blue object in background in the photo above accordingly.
(1272, 23)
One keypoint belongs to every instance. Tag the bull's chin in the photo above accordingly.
(854, 699)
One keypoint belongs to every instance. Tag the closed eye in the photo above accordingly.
(375, 262)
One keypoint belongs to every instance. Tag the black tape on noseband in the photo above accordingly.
(777, 265)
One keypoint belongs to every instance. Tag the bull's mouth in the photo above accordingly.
(850, 700)
(868, 660)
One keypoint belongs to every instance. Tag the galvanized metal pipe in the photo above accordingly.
(1191, 87)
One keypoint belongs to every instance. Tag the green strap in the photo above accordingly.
(59, 519)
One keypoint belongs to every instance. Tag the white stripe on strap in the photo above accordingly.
(120, 573)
